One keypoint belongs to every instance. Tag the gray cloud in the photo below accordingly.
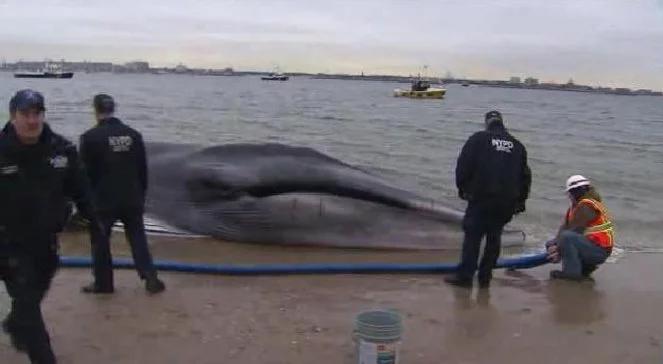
(610, 42)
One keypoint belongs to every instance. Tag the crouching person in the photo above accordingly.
(586, 237)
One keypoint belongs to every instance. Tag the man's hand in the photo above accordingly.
(553, 252)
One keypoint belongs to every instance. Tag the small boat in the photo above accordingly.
(49, 71)
(44, 74)
(275, 77)
(465, 84)
(421, 89)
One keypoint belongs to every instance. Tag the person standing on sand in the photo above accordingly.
(586, 236)
(114, 157)
(492, 175)
(39, 175)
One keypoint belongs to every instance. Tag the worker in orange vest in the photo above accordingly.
(586, 237)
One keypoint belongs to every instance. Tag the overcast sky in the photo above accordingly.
(606, 42)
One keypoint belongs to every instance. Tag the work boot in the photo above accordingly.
(588, 269)
(93, 288)
(8, 328)
(458, 281)
(484, 279)
(558, 274)
(154, 285)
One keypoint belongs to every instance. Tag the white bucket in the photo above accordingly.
(379, 337)
(374, 353)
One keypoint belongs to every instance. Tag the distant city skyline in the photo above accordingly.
(609, 42)
(139, 66)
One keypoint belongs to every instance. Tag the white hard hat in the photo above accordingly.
(576, 181)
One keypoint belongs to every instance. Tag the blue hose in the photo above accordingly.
(525, 261)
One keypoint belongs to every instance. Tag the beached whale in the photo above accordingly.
(280, 194)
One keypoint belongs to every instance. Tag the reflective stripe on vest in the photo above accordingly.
(601, 230)
(594, 229)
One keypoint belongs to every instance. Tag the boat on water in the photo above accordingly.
(275, 77)
(45, 74)
(421, 89)
(49, 71)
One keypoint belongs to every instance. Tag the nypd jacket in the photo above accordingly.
(115, 161)
(493, 166)
(37, 183)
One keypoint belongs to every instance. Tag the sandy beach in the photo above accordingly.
(523, 318)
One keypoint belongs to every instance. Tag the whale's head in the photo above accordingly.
(285, 195)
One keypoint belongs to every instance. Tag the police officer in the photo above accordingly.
(114, 156)
(492, 175)
(39, 174)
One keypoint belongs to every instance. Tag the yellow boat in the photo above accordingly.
(431, 93)
(421, 90)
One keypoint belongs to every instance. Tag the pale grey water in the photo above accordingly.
(614, 140)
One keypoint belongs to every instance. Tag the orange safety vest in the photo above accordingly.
(600, 231)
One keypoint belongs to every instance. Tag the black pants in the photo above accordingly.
(483, 218)
(27, 268)
(134, 230)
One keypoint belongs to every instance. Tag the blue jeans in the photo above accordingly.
(577, 251)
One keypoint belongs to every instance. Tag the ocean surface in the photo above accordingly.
(616, 141)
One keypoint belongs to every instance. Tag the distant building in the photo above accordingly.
(530, 81)
(228, 71)
(29, 66)
(643, 91)
(180, 68)
(514, 80)
(118, 68)
(137, 66)
(69, 66)
(89, 66)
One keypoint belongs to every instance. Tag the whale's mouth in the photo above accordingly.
(156, 227)
(205, 190)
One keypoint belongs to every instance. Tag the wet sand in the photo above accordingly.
(523, 318)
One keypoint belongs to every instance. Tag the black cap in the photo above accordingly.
(104, 104)
(25, 100)
(493, 116)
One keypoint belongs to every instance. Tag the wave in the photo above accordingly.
(332, 117)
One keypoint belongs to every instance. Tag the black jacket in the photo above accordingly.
(37, 183)
(493, 166)
(115, 161)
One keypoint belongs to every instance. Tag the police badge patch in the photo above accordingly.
(59, 161)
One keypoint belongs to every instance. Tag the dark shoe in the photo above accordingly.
(483, 297)
(6, 324)
(558, 274)
(484, 279)
(17, 343)
(588, 269)
(457, 281)
(154, 285)
(94, 289)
